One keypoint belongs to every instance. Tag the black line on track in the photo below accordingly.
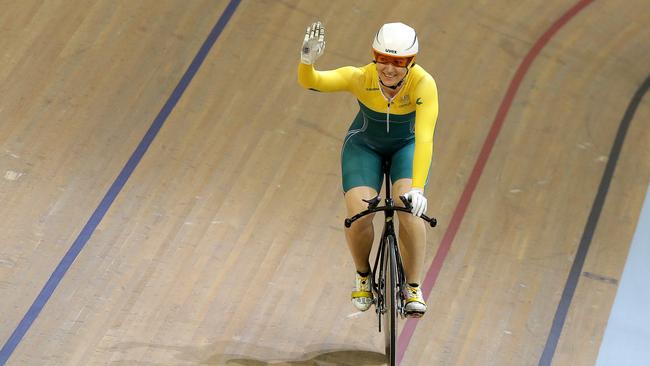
(590, 228)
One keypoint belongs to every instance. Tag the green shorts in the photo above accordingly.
(367, 145)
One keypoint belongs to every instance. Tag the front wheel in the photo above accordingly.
(390, 294)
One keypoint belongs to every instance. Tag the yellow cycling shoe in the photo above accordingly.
(362, 296)
(415, 306)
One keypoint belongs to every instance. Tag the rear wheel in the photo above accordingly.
(390, 294)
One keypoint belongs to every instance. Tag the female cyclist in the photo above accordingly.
(398, 103)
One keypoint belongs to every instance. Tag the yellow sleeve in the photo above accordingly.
(327, 81)
(426, 114)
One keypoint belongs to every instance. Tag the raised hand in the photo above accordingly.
(314, 43)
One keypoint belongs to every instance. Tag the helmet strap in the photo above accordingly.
(392, 86)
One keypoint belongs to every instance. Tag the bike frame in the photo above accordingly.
(383, 252)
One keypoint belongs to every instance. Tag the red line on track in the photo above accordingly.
(477, 171)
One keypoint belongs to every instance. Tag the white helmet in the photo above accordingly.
(396, 39)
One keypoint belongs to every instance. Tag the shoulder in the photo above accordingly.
(421, 75)
(422, 79)
(362, 72)
(369, 68)
(359, 77)
(352, 71)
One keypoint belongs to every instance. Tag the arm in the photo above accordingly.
(426, 114)
(313, 46)
(326, 81)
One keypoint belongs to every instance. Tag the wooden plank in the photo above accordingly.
(226, 244)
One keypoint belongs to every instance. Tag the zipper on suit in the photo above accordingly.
(388, 117)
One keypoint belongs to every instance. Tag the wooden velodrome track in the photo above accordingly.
(225, 245)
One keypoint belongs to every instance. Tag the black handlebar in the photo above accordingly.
(373, 207)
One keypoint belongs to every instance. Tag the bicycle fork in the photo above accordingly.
(380, 266)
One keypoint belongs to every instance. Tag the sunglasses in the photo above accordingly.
(381, 58)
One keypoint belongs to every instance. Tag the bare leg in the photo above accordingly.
(361, 234)
(412, 235)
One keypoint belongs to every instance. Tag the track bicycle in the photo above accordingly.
(388, 280)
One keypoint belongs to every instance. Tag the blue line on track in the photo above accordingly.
(97, 216)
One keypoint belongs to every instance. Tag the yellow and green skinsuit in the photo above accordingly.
(399, 129)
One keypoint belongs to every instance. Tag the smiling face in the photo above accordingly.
(390, 74)
(391, 69)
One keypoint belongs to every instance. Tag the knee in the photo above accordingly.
(400, 188)
(409, 223)
(362, 225)
(407, 218)
(354, 201)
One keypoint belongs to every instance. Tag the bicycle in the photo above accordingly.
(389, 282)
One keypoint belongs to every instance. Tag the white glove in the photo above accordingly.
(314, 43)
(418, 201)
